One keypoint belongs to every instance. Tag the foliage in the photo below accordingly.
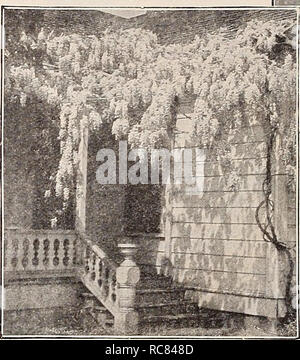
(129, 80)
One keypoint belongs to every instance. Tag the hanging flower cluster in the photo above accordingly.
(129, 80)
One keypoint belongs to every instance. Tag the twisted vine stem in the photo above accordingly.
(268, 229)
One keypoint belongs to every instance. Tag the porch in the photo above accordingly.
(54, 270)
(58, 278)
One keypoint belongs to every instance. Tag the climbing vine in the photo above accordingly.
(129, 80)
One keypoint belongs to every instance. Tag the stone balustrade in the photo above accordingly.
(99, 275)
(40, 253)
(56, 253)
(114, 286)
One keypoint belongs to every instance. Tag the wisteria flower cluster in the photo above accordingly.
(129, 80)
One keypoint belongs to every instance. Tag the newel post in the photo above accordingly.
(128, 275)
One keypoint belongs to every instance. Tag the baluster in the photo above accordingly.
(56, 252)
(40, 254)
(100, 274)
(51, 253)
(66, 258)
(97, 273)
(74, 260)
(109, 283)
(46, 251)
(30, 255)
(36, 247)
(106, 280)
(86, 259)
(93, 271)
(61, 253)
(113, 287)
(15, 252)
(80, 251)
(25, 258)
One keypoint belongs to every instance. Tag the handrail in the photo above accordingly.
(99, 274)
(39, 231)
(113, 285)
(100, 253)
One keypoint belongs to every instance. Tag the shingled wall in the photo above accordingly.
(213, 241)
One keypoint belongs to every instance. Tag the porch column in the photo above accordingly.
(80, 216)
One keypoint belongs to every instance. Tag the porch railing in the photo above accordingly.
(31, 254)
(114, 286)
(40, 253)
(98, 274)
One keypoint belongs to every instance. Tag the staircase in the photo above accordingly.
(94, 314)
(121, 298)
(156, 300)
(156, 307)
(162, 303)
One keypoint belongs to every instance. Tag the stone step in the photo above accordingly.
(94, 312)
(182, 320)
(152, 281)
(171, 308)
(160, 295)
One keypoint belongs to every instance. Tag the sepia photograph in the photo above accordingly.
(149, 172)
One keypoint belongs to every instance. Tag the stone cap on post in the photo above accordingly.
(128, 273)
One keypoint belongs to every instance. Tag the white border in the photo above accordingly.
(137, 337)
